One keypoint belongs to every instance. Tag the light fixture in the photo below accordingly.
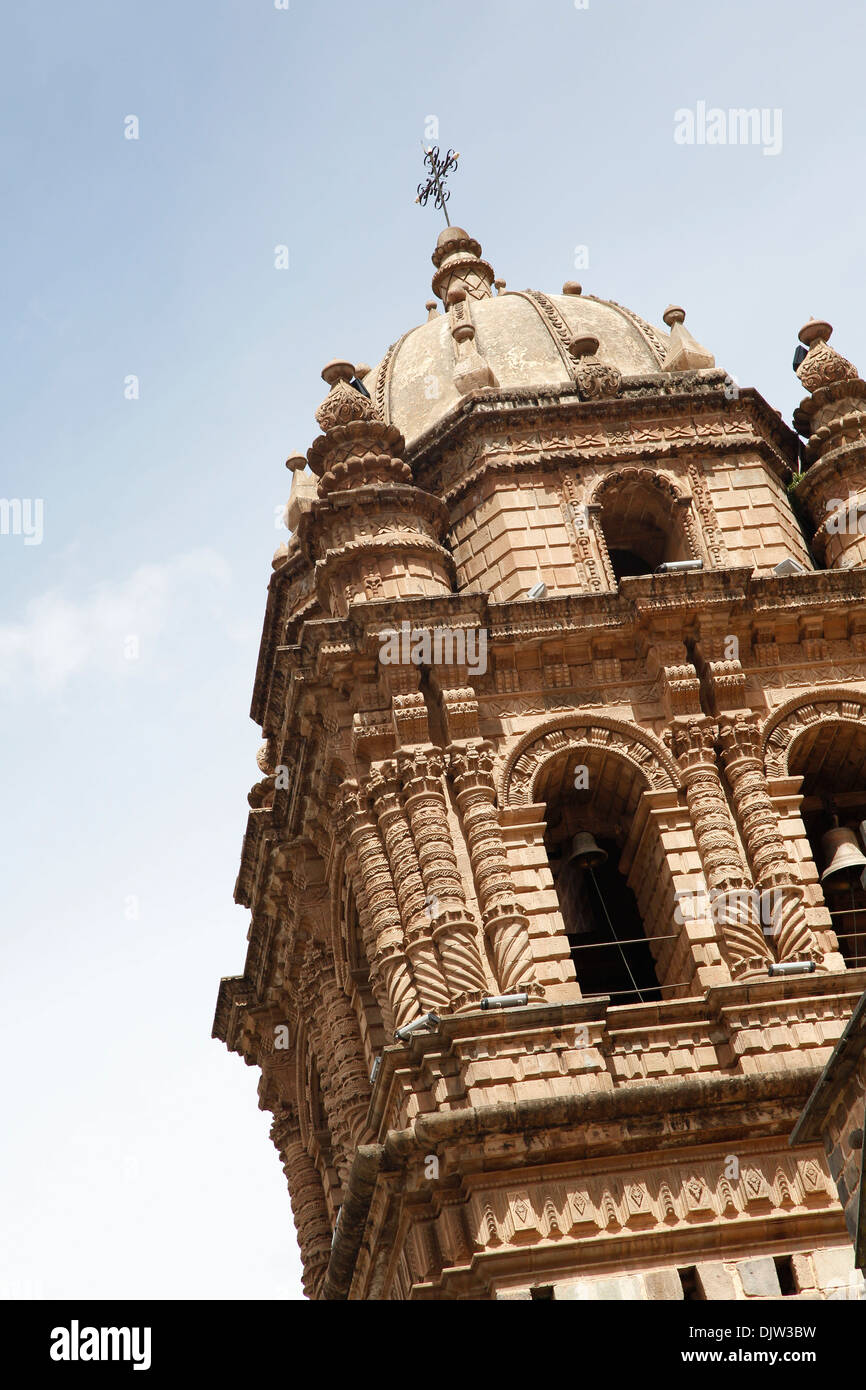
(430, 1020)
(377, 1063)
(538, 590)
(586, 851)
(792, 967)
(679, 566)
(504, 1001)
(788, 566)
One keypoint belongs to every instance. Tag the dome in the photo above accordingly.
(514, 339)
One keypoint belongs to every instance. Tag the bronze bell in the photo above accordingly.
(586, 852)
(842, 853)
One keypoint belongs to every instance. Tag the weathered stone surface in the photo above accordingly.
(717, 1282)
(759, 1278)
(662, 1284)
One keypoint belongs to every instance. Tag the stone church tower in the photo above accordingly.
(554, 867)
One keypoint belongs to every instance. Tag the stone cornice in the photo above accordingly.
(644, 399)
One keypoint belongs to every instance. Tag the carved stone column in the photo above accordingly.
(505, 923)
(312, 1009)
(307, 1197)
(730, 890)
(347, 1054)
(774, 873)
(377, 984)
(387, 947)
(454, 930)
(406, 871)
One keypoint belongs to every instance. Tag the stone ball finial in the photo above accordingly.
(362, 369)
(673, 314)
(455, 295)
(814, 330)
(432, 309)
(584, 345)
(499, 286)
(296, 462)
(337, 370)
(572, 287)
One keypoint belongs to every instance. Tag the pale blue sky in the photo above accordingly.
(135, 1162)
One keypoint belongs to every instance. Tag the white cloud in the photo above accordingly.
(60, 637)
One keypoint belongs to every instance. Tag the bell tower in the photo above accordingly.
(554, 863)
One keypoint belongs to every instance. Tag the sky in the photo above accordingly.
(159, 363)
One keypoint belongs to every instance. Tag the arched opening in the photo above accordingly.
(642, 527)
(595, 793)
(831, 757)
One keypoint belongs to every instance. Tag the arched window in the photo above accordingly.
(831, 757)
(589, 815)
(642, 523)
(609, 949)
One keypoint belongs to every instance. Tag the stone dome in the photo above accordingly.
(515, 339)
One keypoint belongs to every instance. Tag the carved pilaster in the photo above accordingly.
(365, 922)
(731, 897)
(411, 896)
(307, 1197)
(312, 1008)
(774, 873)
(454, 930)
(505, 922)
(347, 1054)
(387, 946)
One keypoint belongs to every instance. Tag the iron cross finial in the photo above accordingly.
(439, 168)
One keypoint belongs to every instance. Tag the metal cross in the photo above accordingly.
(435, 184)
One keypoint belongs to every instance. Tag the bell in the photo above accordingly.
(842, 853)
(587, 853)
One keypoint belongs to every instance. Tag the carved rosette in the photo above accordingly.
(596, 380)
(386, 946)
(307, 1197)
(505, 922)
(729, 886)
(774, 873)
(454, 931)
(411, 897)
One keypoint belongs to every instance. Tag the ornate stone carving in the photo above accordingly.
(729, 887)
(580, 732)
(786, 724)
(454, 931)
(504, 921)
(307, 1197)
(415, 910)
(768, 856)
(376, 887)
